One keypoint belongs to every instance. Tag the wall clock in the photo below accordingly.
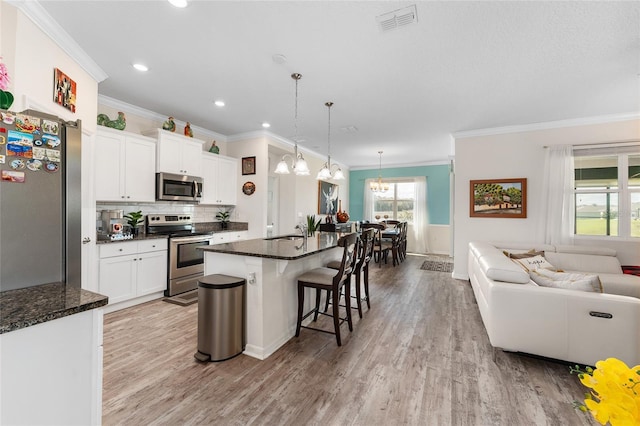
(249, 188)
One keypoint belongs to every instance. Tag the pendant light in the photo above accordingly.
(298, 163)
(325, 172)
(379, 187)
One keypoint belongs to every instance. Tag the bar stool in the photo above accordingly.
(330, 280)
(380, 248)
(365, 253)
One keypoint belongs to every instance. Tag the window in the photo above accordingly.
(397, 203)
(607, 192)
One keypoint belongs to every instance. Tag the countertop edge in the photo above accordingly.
(211, 249)
(27, 320)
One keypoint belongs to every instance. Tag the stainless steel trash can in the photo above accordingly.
(221, 306)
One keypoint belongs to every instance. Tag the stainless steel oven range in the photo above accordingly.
(186, 263)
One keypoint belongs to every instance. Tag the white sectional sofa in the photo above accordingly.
(570, 325)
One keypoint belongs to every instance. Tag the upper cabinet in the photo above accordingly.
(177, 154)
(124, 166)
(220, 180)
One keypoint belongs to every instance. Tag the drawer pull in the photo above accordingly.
(605, 315)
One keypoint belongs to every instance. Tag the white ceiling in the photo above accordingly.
(463, 66)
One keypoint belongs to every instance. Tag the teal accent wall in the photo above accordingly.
(438, 189)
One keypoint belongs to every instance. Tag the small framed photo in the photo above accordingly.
(64, 90)
(501, 198)
(248, 165)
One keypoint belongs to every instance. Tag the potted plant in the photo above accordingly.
(312, 224)
(223, 217)
(133, 220)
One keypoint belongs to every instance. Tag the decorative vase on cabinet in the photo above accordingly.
(341, 216)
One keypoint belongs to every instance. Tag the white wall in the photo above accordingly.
(521, 155)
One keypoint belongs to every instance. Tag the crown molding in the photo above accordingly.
(548, 125)
(150, 115)
(405, 165)
(34, 11)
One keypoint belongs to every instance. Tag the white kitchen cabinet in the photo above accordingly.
(177, 154)
(228, 237)
(220, 180)
(132, 272)
(124, 166)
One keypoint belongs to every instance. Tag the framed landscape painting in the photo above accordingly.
(503, 198)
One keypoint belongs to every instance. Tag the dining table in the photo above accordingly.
(392, 233)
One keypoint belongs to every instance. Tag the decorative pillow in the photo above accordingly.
(532, 263)
(566, 280)
(530, 253)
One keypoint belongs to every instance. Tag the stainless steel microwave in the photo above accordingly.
(172, 187)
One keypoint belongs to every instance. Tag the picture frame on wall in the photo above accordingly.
(498, 198)
(248, 165)
(64, 90)
(327, 198)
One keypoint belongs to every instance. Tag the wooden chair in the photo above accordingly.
(390, 223)
(330, 280)
(402, 244)
(380, 248)
(365, 253)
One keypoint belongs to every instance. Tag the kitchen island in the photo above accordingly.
(271, 267)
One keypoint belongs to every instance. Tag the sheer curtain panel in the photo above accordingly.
(558, 186)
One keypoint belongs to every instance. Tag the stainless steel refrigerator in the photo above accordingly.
(40, 204)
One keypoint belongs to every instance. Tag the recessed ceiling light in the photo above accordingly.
(219, 103)
(141, 67)
(266, 125)
(178, 3)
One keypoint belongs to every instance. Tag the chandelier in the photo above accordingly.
(325, 172)
(298, 163)
(379, 187)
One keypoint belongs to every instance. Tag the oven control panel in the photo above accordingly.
(169, 219)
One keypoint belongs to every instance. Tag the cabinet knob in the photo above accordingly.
(135, 260)
(122, 196)
(139, 258)
(128, 196)
(119, 249)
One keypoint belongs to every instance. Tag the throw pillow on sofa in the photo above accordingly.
(532, 263)
(566, 280)
(530, 253)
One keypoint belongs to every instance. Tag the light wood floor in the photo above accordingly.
(419, 357)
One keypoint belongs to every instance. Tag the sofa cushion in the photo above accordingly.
(622, 284)
(498, 267)
(585, 262)
(567, 280)
(532, 263)
(599, 251)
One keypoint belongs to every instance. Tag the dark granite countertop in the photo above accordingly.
(29, 306)
(279, 247)
(203, 227)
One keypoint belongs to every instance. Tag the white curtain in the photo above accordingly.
(367, 214)
(558, 187)
(420, 216)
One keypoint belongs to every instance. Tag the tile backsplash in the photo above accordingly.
(200, 213)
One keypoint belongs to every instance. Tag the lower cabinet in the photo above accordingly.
(52, 372)
(130, 270)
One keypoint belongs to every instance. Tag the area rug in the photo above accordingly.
(437, 263)
(183, 299)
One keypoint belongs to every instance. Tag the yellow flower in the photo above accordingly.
(615, 392)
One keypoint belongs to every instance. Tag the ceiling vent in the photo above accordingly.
(397, 18)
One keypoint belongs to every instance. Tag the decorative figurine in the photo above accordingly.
(187, 130)
(169, 125)
(119, 123)
(214, 149)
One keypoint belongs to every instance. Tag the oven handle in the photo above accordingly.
(191, 239)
